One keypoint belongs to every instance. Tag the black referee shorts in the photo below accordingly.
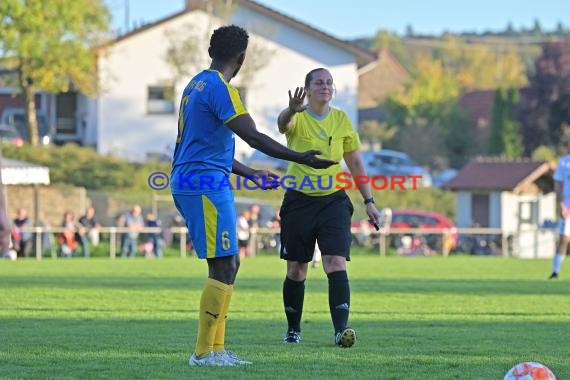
(308, 219)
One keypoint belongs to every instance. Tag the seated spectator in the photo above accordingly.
(67, 239)
(22, 240)
(89, 221)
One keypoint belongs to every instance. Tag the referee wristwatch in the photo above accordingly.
(369, 200)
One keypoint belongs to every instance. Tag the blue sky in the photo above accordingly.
(357, 18)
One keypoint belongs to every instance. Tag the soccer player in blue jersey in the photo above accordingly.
(211, 112)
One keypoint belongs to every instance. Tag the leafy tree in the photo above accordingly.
(536, 28)
(51, 46)
(185, 53)
(374, 132)
(505, 136)
(481, 66)
(391, 42)
(188, 53)
(427, 107)
(409, 30)
(545, 106)
(512, 140)
(543, 153)
(427, 95)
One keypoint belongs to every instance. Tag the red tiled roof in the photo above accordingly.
(499, 175)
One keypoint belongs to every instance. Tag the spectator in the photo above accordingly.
(153, 240)
(89, 221)
(276, 223)
(255, 215)
(243, 232)
(5, 228)
(254, 224)
(134, 222)
(22, 240)
(67, 239)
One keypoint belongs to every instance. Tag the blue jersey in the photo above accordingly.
(205, 147)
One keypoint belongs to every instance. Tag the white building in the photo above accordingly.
(516, 197)
(137, 112)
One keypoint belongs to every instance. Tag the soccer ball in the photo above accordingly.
(530, 371)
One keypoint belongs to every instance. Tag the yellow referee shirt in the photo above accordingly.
(333, 135)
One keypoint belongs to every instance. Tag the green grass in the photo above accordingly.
(416, 318)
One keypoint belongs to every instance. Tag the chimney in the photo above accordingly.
(195, 4)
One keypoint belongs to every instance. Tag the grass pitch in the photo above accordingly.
(416, 318)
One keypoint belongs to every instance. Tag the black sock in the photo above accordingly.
(339, 299)
(293, 297)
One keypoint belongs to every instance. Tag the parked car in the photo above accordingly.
(443, 177)
(10, 135)
(428, 221)
(16, 117)
(391, 163)
(432, 224)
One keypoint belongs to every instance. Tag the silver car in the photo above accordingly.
(394, 163)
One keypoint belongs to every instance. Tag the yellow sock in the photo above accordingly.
(221, 329)
(211, 306)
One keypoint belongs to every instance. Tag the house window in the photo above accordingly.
(528, 212)
(160, 100)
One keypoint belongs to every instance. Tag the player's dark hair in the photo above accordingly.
(309, 76)
(228, 42)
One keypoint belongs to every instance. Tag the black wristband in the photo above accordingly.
(369, 200)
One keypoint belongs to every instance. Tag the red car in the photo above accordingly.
(428, 221)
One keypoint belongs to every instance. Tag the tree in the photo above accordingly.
(536, 28)
(512, 141)
(505, 136)
(374, 132)
(185, 53)
(510, 30)
(390, 41)
(480, 66)
(410, 31)
(545, 106)
(427, 107)
(51, 44)
(257, 57)
(543, 153)
(427, 96)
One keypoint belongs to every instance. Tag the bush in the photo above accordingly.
(82, 166)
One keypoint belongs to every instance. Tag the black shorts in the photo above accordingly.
(309, 219)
